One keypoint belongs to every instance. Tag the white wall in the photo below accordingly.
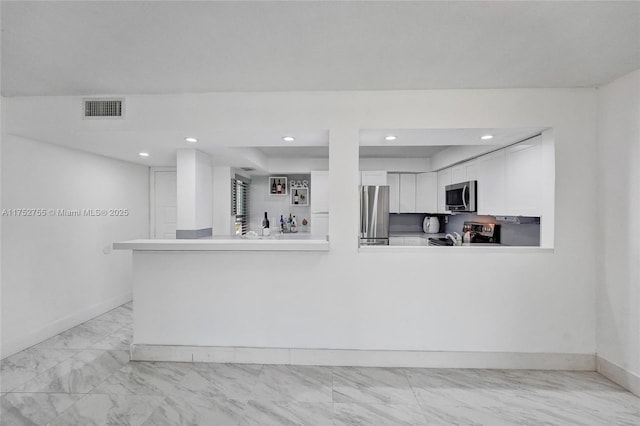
(60, 271)
(618, 302)
(223, 221)
(528, 301)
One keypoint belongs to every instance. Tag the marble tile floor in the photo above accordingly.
(83, 377)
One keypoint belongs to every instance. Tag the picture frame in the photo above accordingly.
(299, 196)
(277, 185)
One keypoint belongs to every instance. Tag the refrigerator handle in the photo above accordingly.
(363, 208)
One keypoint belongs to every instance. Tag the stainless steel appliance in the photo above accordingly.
(482, 232)
(479, 233)
(461, 197)
(374, 215)
(432, 241)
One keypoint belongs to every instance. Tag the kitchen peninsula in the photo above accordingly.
(204, 300)
(299, 242)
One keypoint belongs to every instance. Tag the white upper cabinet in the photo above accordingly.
(458, 174)
(319, 191)
(407, 193)
(523, 179)
(491, 191)
(463, 172)
(426, 193)
(375, 177)
(393, 180)
(444, 179)
(402, 192)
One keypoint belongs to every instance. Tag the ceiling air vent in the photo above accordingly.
(247, 169)
(103, 108)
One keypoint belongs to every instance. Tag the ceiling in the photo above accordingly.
(109, 47)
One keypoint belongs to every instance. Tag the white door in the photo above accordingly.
(166, 194)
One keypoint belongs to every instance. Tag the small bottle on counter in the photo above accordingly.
(466, 238)
(281, 224)
(294, 225)
(265, 225)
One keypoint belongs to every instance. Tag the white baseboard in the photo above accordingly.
(14, 346)
(619, 375)
(364, 358)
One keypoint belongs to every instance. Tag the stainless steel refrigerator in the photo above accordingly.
(374, 215)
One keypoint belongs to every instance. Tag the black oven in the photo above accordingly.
(461, 197)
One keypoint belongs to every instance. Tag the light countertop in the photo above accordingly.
(288, 242)
(414, 234)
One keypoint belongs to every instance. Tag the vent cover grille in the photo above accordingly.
(103, 108)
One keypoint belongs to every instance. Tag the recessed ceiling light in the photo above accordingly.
(144, 154)
(486, 137)
(390, 138)
(288, 139)
(192, 140)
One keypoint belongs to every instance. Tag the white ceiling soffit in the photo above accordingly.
(413, 151)
(292, 151)
(235, 147)
(448, 137)
(113, 47)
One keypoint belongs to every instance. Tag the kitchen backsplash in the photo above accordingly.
(511, 234)
(406, 222)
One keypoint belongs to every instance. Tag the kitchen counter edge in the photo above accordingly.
(479, 248)
(224, 245)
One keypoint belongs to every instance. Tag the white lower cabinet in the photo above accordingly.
(414, 241)
(408, 241)
(396, 241)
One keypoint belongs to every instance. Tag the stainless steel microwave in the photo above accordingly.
(461, 197)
